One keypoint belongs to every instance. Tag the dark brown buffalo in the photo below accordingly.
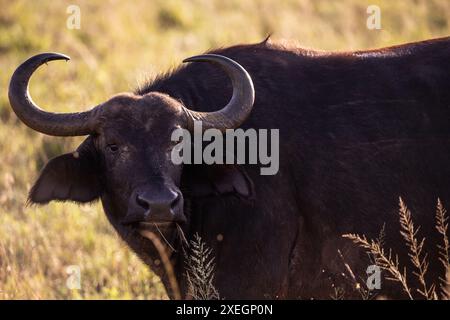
(357, 130)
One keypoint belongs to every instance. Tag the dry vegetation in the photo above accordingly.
(119, 44)
(419, 263)
(200, 270)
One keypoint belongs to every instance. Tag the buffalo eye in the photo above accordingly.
(113, 148)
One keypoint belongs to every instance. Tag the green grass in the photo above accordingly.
(119, 45)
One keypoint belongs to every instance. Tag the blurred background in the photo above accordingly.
(120, 44)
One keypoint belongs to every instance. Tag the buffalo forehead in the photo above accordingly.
(148, 115)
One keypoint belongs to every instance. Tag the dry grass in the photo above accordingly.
(120, 43)
(383, 259)
(163, 252)
(199, 266)
(200, 271)
(444, 249)
(357, 284)
(417, 257)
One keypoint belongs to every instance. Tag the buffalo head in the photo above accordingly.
(125, 159)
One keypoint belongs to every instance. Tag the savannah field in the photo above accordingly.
(119, 45)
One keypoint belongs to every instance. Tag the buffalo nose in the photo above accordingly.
(159, 206)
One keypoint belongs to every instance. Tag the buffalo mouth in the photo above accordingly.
(167, 231)
(151, 226)
(156, 224)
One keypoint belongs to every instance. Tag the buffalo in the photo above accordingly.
(357, 130)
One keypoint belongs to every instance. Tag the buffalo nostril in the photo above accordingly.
(159, 207)
(142, 202)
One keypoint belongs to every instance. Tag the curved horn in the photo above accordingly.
(241, 103)
(55, 124)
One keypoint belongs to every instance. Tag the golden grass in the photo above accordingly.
(200, 268)
(164, 252)
(444, 249)
(121, 43)
(383, 259)
(417, 258)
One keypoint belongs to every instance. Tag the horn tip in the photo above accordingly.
(187, 60)
(55, 56)
(199, 58)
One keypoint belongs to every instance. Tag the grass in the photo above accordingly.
(418, 261)
(120, 44)
(200, 271)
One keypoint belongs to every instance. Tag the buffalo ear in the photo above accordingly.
(72, 176)
(208, 180)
